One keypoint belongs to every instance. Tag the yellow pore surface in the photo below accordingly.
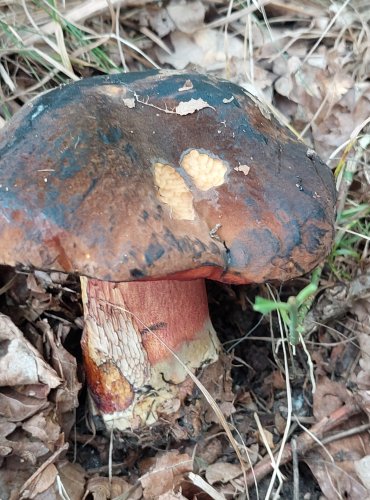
(173, 191)
(206, 172)
(203, 171)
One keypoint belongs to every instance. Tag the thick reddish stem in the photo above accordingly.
(132, 331)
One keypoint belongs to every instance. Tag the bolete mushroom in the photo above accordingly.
(145, 184)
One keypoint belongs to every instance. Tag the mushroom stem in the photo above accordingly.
(132, 331)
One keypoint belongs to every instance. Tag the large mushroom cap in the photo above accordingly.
(157, 174)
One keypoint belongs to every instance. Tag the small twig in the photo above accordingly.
(347, 433)
(305, 441)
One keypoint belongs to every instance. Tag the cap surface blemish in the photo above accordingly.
(173, 191)
(205, 171)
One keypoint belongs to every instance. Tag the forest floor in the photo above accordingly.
(297, 419)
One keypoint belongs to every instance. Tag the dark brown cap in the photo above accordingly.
(160, 174)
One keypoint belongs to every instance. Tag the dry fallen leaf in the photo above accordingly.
(41, 484)
(337, 478)
(205, 48)
(66, 395)
(243, 168)
(187, 16)
(222, 472)
(188, 85)
(72, 476)
(11, 480)
(172, 496)
(362, 468)
(361, 326)
(158, 19)
(102, 488)
(333, 465)
(24, 449)
(20, 362)
(166, 474)
(6, 427)
(43, 427)
(17, 407)
(129, 102)
(189, 107)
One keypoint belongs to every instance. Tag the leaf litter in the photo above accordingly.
(310, 63)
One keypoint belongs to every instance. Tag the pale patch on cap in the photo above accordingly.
(205, 171)
(173, 191)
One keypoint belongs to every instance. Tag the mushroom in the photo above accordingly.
(145, 184)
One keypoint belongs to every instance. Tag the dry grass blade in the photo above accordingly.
(237, 15)
(78, 14)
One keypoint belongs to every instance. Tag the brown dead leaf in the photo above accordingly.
(217, 380)
(41, 484)
(39, 299)
(205, 48)
(33, 285)
(38, 391)
(286, 68)
(280, 423)
(362, 468)
(278, 380)
(6, 427)
(191, 106)
(337, 86)
(129, 102)
(188, 85)
(166, 474)
(184, 50)
(20, 362)
(222, 472)
(333, 465)
(337, 478)
(72, 477)
(66, 396)
(42, 427)
(11, 480)
(243, 168)
(362, 328)
(16, 407)
(209, 451)
(24, 449)
(187, 16)
(361, 325)
(329, 396)
(159, 20)
(172, 496)
(101, 488)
